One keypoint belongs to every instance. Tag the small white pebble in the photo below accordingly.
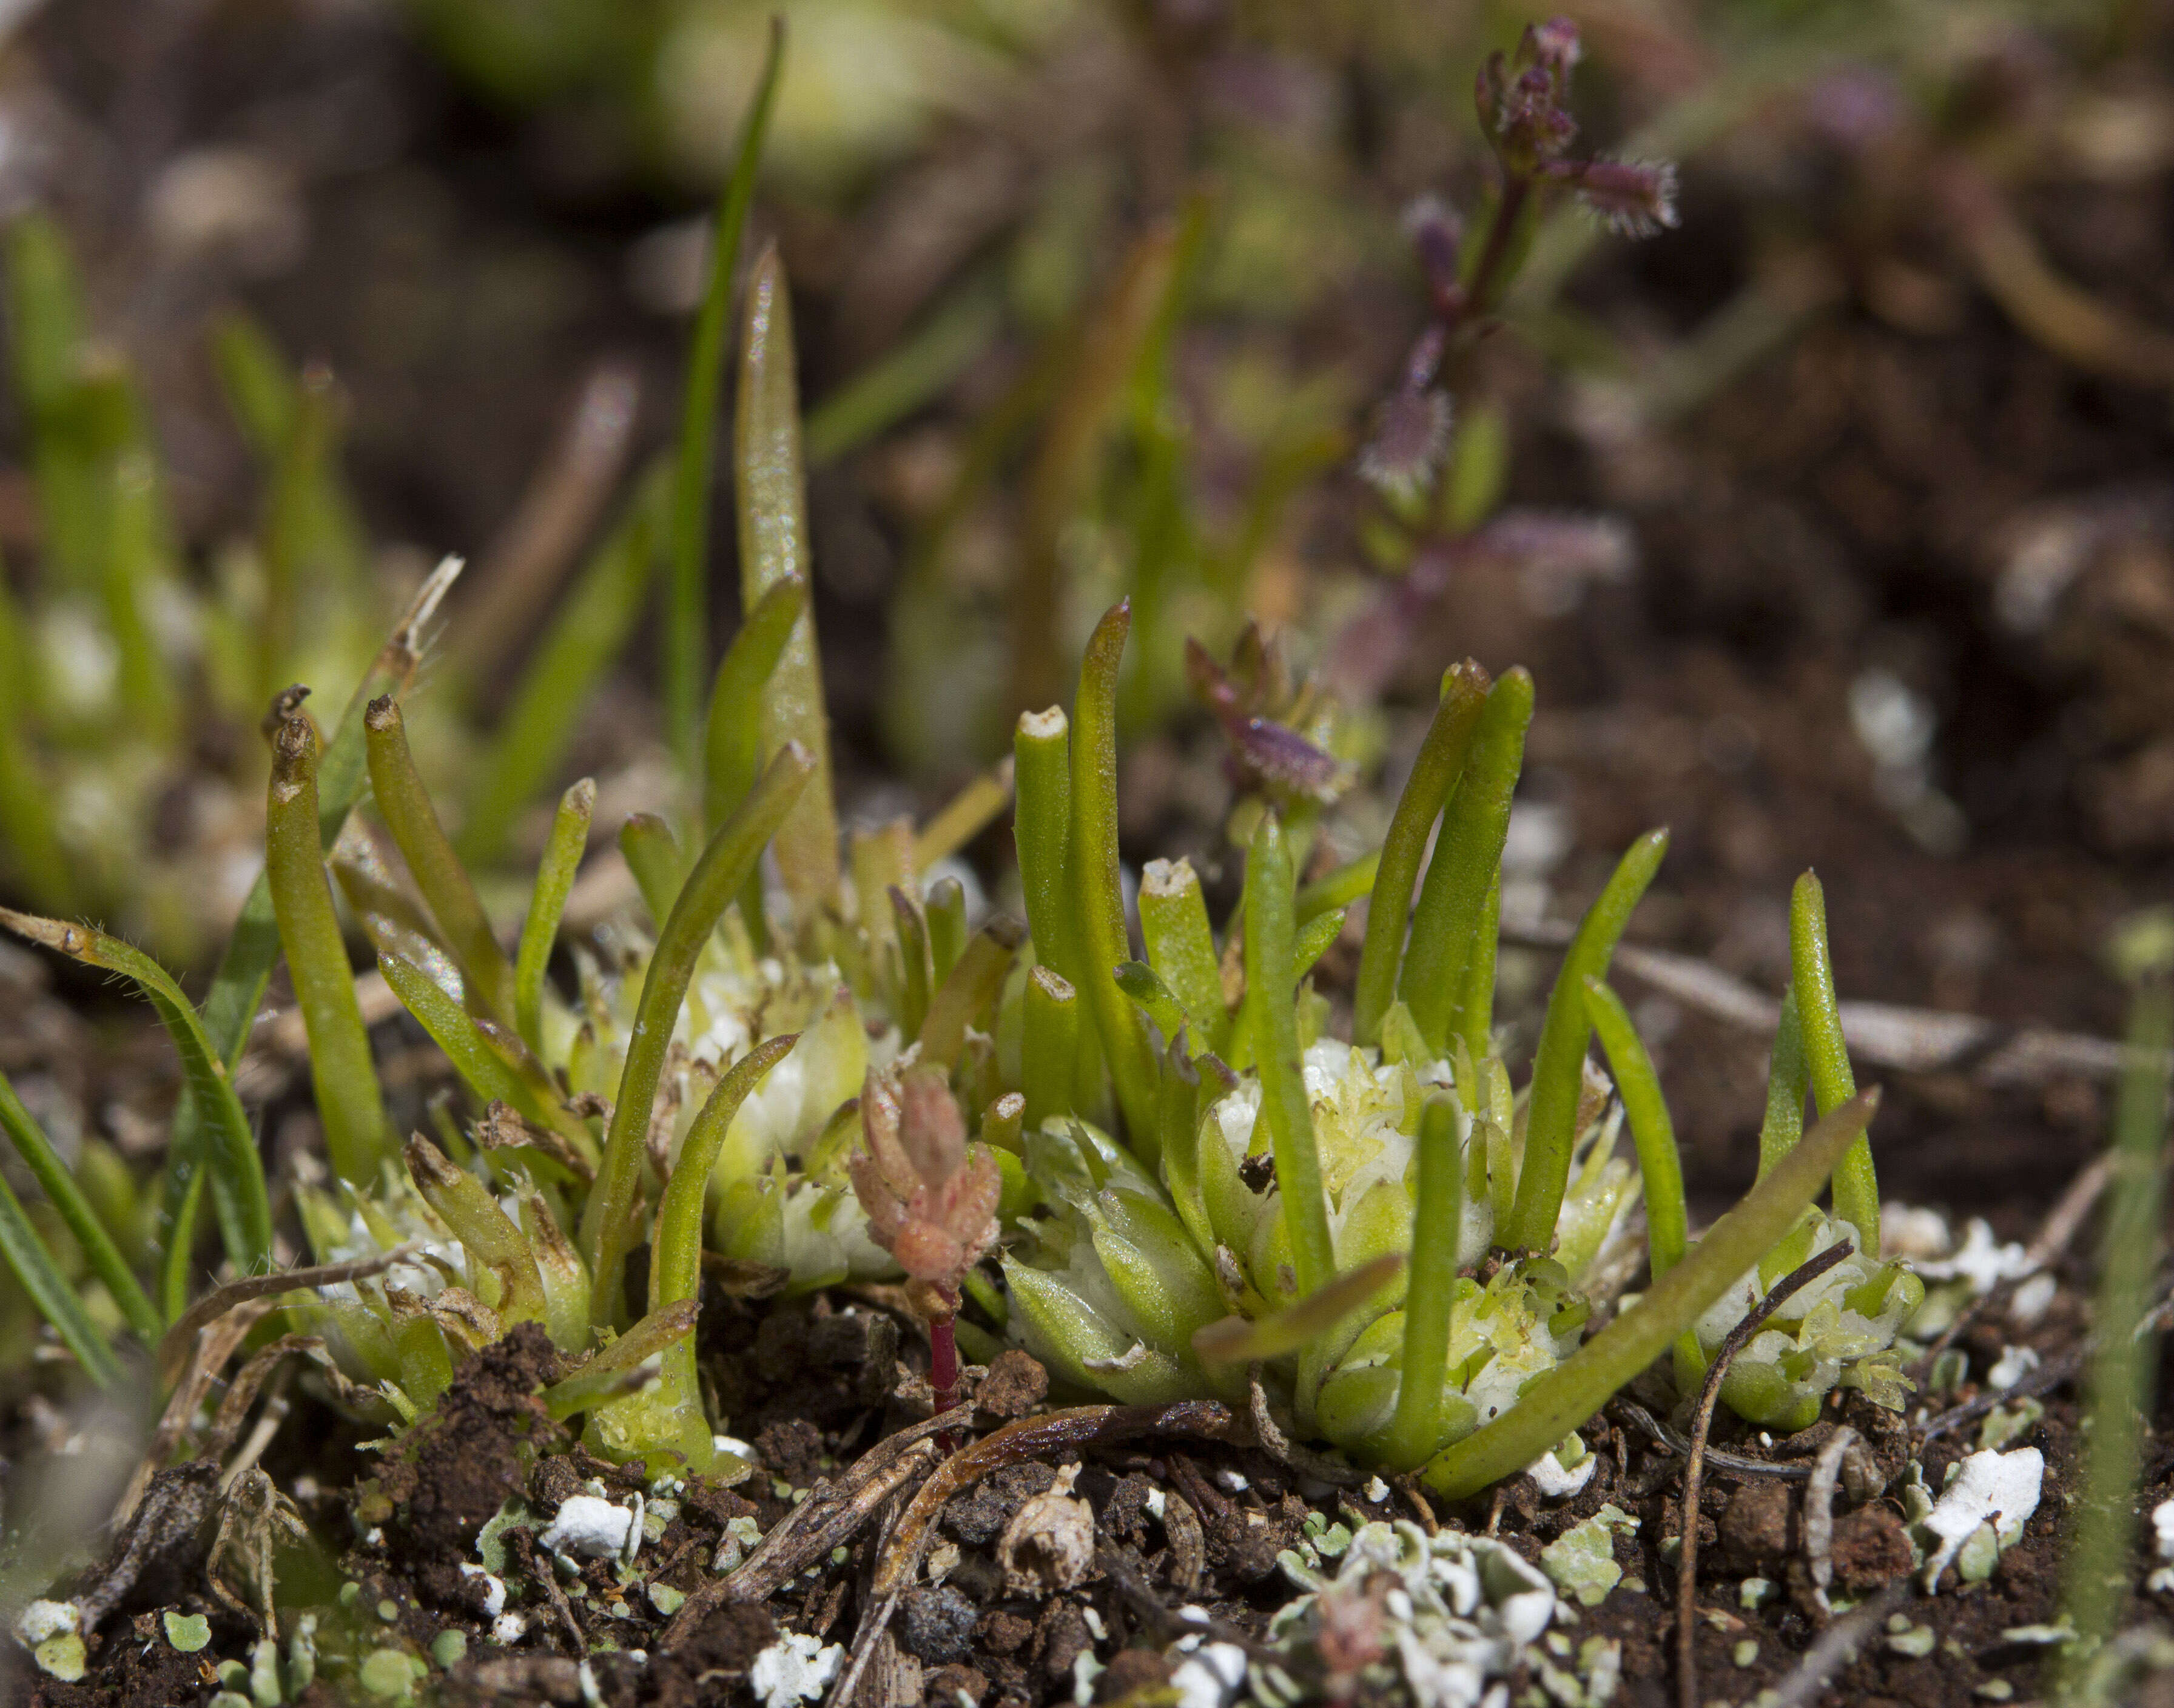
(2162, 1528)
(1556, 1483)
(733, 1445)
(1999, 1489)
(1156, 1504)
(494, 1589)
(46, 1618)
(2016, 1362)
(593, 1528)
(1377, 1491)
(795, 1668)
(1094, 1625)
(1233, 1482)
(1210, 1677)
(2031, 1299)
(508, 1628)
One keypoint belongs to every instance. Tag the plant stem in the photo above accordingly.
(1558, 1065)
(447, 889)
(1429, 1291)
(1474, 1022)
(717, 877)
(555, 882)
(68, 1198)
(1098, 902)
(733, 755)
(2097, 1580)
(686, 635)
(971, 991)
(1856, 1187)
(1788, 1082)
(1441, 758)
(341, 1070)
(1272, 985)
(49, 1290)
(1467, 860)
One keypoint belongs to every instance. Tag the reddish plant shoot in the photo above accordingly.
(930, 1198)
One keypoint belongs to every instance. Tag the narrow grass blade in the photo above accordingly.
(1098, 903)
(1237, 1340)
(773, 535)
(676, 1266)
(237, 1170)
(341, 1070)
(135, 548)
(555, 882)
(1435, 772)
(1562, 1398)
(68, 1198)
(1651, 1132)
(589, 633)
(612, 1369)
(1431, 1291)
(971, 991)
(448, 891)
(1181, 947)
(687, 628)
(485, 1072)
(1558, 1065)
(1284, 1104)
(1819, 1012)
(910, 376)
(733, 755)
(962, 818)
(1468, 857)
(50, 1291)
(717, 877)
(1154, 998)
(2096, 1580)
(910, 932)
(260, 390)
(1340, 888)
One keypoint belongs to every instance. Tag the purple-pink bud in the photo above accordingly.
(1634, 198)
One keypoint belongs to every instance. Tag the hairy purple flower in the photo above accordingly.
(1411, 433)
(1633, 198)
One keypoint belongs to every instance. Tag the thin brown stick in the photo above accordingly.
(831, 1514)
(173, 1345)
(1677, 1442)
(1694, 1465)
(1279, 1446)
(1912, 1040)
(538, 543)
(1836, 1646)
(1082, 1426)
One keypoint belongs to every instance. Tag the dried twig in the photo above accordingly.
(1837, 1646)
(831, 1515)
(1819, 1508)
(1082, 1426)
(175, 1344)
(1695, 1464)
(1677, 1442)
(1914, 1040)
(1279, 1446)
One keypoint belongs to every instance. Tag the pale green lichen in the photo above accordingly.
(1581, 1561)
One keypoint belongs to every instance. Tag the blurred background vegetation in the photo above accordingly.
(1834, 523)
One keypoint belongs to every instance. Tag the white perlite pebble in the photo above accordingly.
(1557, 1483)
(1377, 1491)
(1210, 1677)
(2031, 1299)
(2016, 1362)
(2162, 1528)
(494, 1589)
(509, 1629)
(1997, 1488)
(795, 1668)
(45, 1618)
(593, 1528)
